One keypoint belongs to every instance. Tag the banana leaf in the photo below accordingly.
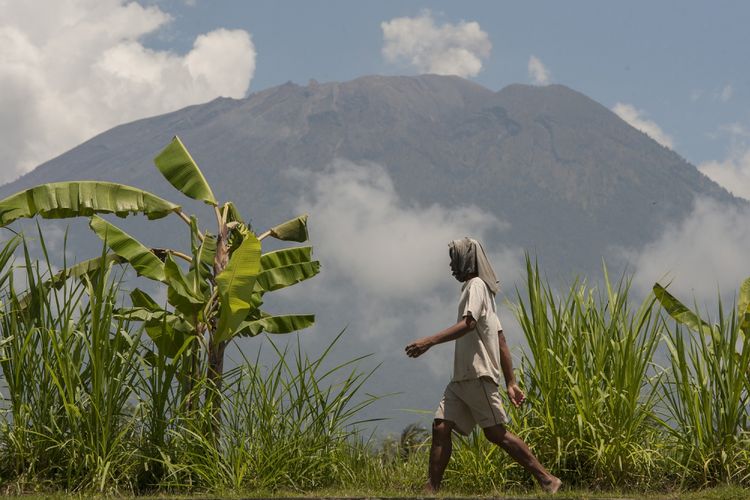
(208, 253)
(235, 285)
(233, 215)
(168, 331)
(139, 256)
(203, 247)
(6, 257)
(84, 268)
(179, 168)
(179, 290)
(170, 334)
(743, 307)
(275, 324)
(291, 230)
(680, 312)
(285, 257)
(201, 268)
(281, 277)
(139, 314)
(59, 200)
(237, 235)
(139, 298)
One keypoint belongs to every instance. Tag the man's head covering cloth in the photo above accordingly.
(468, 257)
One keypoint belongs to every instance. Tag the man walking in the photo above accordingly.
(472, 397)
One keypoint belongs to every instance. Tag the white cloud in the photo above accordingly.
(69, 70)
(372, 237)
(538, 73)
(449, 49)
(733, 173)
(384, 261)
(636, 118)
(735, 130)
(722, 94)
(725, 93)
(704, 253)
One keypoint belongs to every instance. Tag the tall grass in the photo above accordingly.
(476, 464)
(287, 426)
(707, 400)
(589, 375)
(89, 404)
(69, 367)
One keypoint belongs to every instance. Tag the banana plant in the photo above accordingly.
(740, 319)
(216, 293)
(708, 390)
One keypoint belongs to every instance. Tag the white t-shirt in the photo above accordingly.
(477, 353)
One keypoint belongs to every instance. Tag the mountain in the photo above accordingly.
(571, 178)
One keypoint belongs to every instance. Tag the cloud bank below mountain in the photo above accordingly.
(704, 255)
(385, 260)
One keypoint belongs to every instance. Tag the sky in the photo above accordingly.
(677, 70)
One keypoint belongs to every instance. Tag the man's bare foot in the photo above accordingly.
(551, 485)
(429, 489)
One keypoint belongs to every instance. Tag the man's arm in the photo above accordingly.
(420, 346)
(515, 393)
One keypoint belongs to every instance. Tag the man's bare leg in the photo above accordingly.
(440, 453)
(517, 449)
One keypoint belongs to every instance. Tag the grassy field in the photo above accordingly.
(716, 493)
(91, 405)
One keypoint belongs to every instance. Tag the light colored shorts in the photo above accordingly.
(472, 402)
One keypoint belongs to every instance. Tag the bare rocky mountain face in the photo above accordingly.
(567, 174)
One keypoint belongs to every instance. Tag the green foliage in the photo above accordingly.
(57, 200)
(707, 394)
(169, 332)
(307, 410)
(679, 312)
(235, 284)
(589, 375)
(275, 324)
(179, 168)
(219, 295)
(291, 230)
(103, 396)
(128, 248)
(90, 408)
(66, 328)
(743, 307)
(69, 366)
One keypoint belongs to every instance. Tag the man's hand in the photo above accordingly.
(418, 347)
(516, 395)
